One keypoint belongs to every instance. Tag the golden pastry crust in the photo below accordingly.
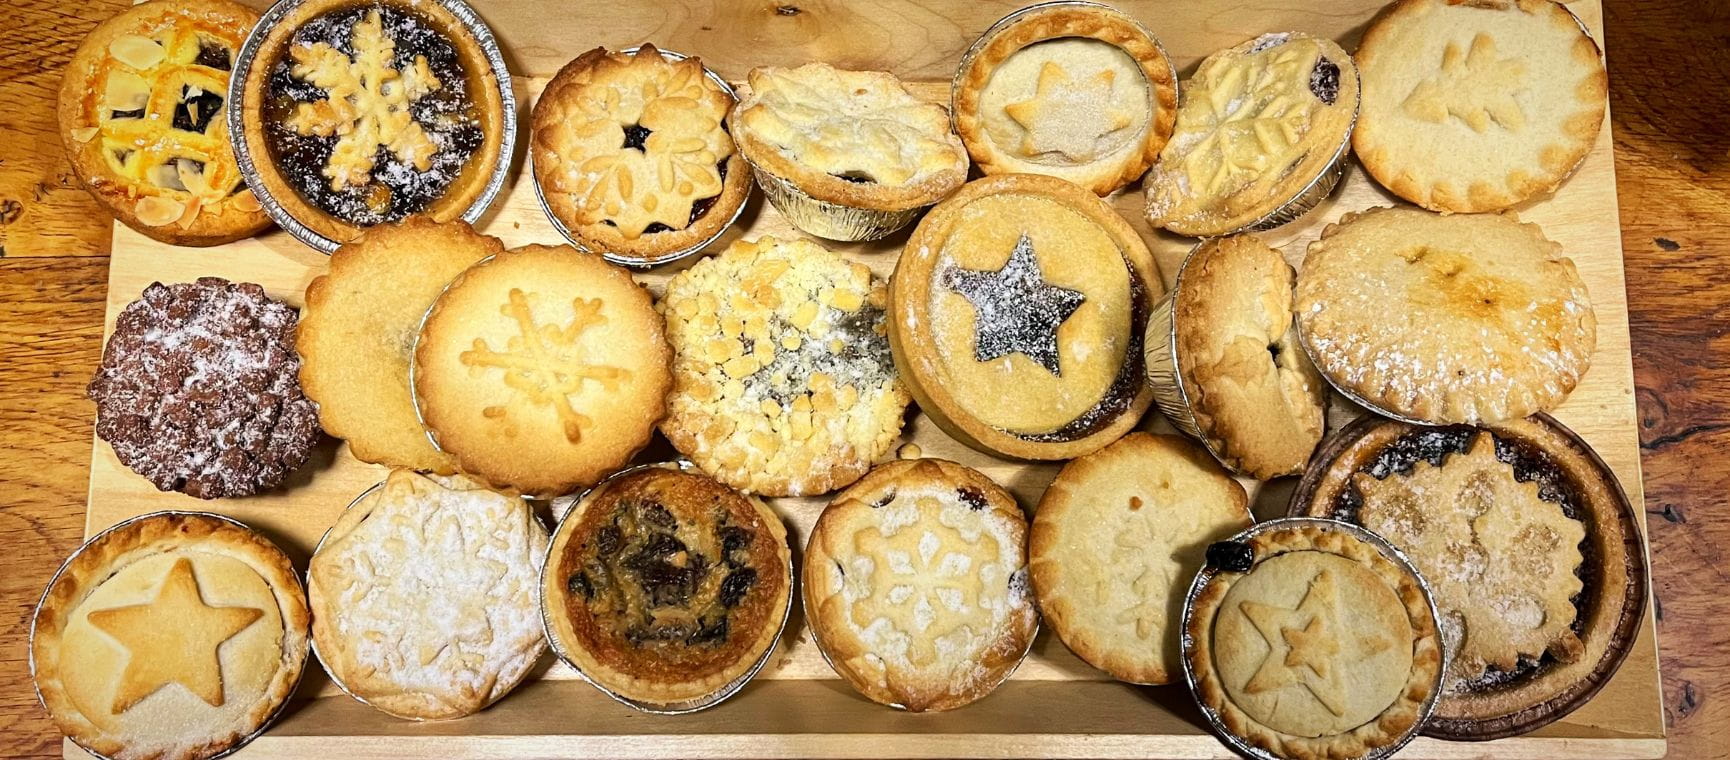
(1259, 123)
(650, 569)
(1445, 318)
(197, 567)
(1383, 659)
(1054, 369)
(183, 187)
(782, 380)
(1084, 52)
(679, 185)
(1477, 106)
(856, 138)
(542, 370)
(1256, 398)
(1115, 542)
(364, 114)
(424, 596)
(957, 543)
(357, 332)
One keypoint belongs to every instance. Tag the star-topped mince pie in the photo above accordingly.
(632, 154)
(141, 117)
(1074, 90)
(1016, 317)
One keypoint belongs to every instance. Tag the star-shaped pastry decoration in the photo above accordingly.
(1475, 86)
(1069, 116)
(172, 639)
(1016, 310)
(1305, 643)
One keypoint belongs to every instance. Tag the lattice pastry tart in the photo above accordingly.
(915, 584)
(141, 117)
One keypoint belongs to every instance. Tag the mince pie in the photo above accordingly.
(1016, 316)
(1076, 90)
(915, 585)
(171, 636)
(1261, 125)
(666, 589)
(141, 117)
(1463, 318)
(355, 114)
(632, 155)
(1477, 106)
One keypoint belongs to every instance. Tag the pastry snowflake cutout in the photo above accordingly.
(538, 364)
(1500, 560)
(930, 586)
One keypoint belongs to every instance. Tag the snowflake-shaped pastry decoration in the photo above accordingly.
(1474, 85)
(540, 362)
(1256, 111)
(367, 103)
(926, 584)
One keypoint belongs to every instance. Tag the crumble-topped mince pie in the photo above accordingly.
(141, 117)
(1462, 318)
(357, 113)
(846, 155)
(1076, 90)
(915, 585)
(632, 155)
(1477, 106)
(782, 380)
(171, 636)
(1016, 316)
(1260, 123)
(667, 589)
(1308, 640)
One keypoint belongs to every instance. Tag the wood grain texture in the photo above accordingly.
(1668, 73)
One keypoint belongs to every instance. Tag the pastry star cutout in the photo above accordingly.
(172, 639)
(1309, 638)
(1068, 116)
(1017, 312)
(1475, 86)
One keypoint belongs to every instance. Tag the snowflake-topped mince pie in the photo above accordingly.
(141, 117)
(632, 155)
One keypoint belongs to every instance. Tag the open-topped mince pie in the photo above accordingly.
(358, 113)
(666, 589)
(141, 117)
(632, 155)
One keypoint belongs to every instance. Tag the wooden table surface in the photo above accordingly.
(1669, 75)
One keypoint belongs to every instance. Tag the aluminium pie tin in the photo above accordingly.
(30, 639)
(1159, 347)
(831, 221)
(635, 262)
(414, 351)
(567, 523)
(247, 57)
(1388, 551)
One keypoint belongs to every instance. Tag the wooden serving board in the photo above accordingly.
(1055, 706)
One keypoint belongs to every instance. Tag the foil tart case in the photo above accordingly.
(635, 262)
(566, 523)
(831, 221)
(1387, 550)
(247, 57)
(30, 640)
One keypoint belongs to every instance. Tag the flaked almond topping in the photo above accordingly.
(191, 213)
(138, 52)
(157, 211)
(246, 201)
(125, 92)
(85, 134)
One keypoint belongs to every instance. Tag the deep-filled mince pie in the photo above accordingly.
(1016, 317)
(1116, 540)
(1477, 106)
(1460, 318)
(198, 389)
(542, 370)
(424, 596)
(915, 585)
(357, 334)
(362, 113)
(667, 588)
(1073, 90)
(1307, 641)
(174, 636)
(1260, 122)
(782, 380)
(632, 155)
(141, 117)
